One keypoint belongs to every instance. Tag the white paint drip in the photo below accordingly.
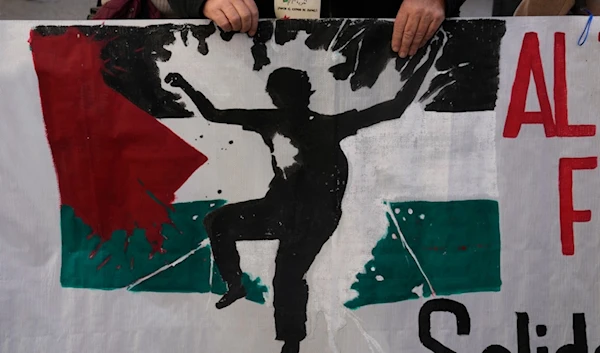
(337, 34)
(422, 216)
(358, 61)
(351, 39)
(434, 93)
(374, 346)
(408, 248)
(203, 244)
(210, 281)
(379, 278)
(410, 211)
(284, 152)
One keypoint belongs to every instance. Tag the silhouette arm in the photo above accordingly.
(350, 122)
(207, 109)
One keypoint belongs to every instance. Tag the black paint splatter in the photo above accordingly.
(365, 44)
(131, 54)
(184, 35)
(226, 36)
(469, 64)
(259, 49)
(471, 61)
(201, 33)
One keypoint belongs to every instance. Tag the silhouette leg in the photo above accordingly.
(252, 220)
(291, 289)
(222, 235)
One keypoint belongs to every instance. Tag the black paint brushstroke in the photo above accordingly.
(201, 33)
(226, 36)
(264, 33)
(322, 33)
(288, 31)
(374, 56)
(343, 70)
(51, 30)
(347, 42)
(469, 65)
(409, 66)
(184, 36)
(400, 63)
(344, 35)
(148, 94)
(131, 55)
(474, 85)
(471, 87)
(436, 84)
(365, 44)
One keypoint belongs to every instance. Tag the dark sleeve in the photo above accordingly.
(452, 7)
(187, 8)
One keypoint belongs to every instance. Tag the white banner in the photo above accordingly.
(168, 187)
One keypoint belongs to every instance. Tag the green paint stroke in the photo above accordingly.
(115, 266)
(456, 243)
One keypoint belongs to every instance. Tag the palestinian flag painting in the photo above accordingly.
(170, 187)
(305, 167)
(118, 170)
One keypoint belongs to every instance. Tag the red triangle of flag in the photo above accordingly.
(117, 166)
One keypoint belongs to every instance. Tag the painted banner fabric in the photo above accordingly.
(169, 186)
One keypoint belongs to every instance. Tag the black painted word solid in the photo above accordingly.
(463, 324)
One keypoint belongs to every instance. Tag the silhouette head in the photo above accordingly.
(289, 88)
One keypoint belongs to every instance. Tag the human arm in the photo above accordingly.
(350, 122)
(241, 117)
(418, 20)
(230, 15)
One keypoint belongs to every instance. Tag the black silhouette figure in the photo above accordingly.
(302, 207)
